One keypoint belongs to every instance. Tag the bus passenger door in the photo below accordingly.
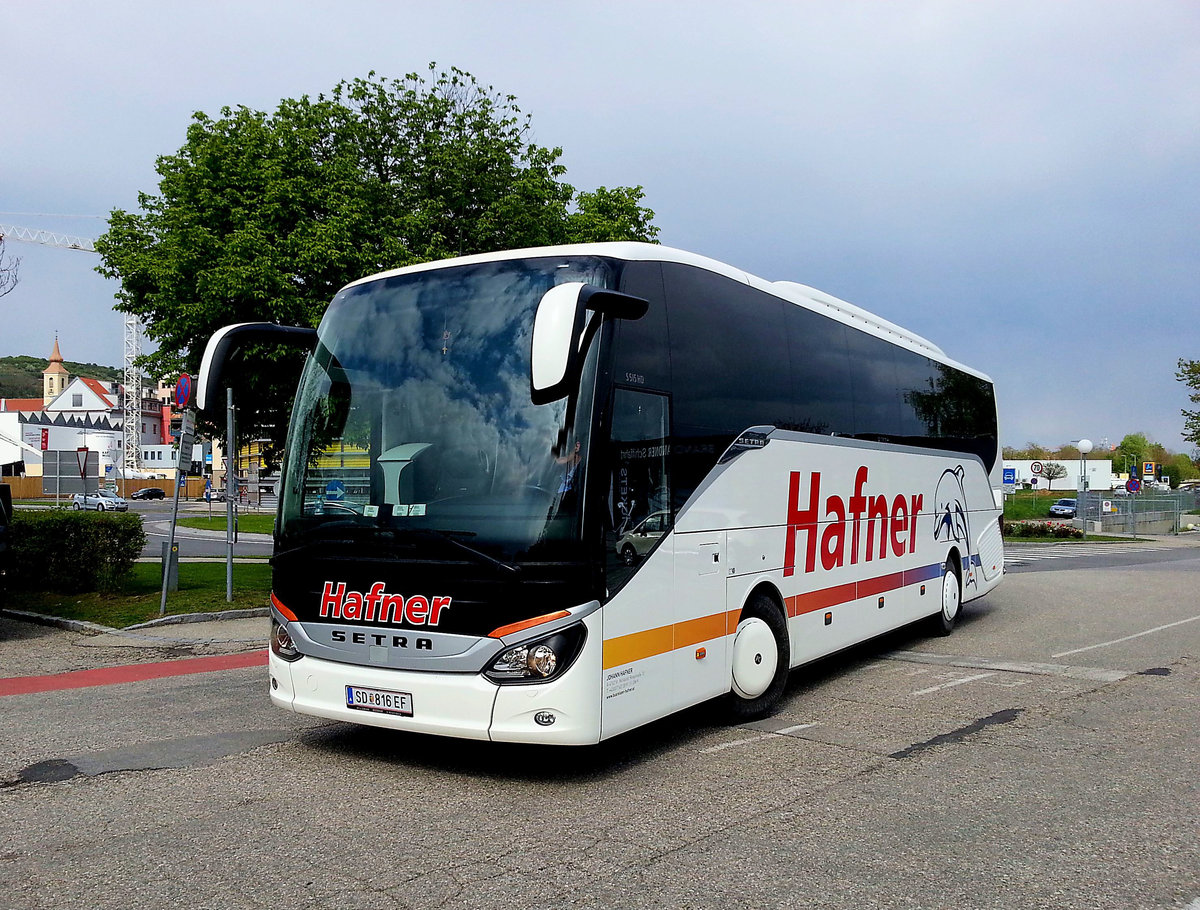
(639, 615)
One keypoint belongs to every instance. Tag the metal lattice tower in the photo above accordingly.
(131, 421)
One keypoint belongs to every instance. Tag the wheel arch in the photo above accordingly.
(767, 589)
(954, 560)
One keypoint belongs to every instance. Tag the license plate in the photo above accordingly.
(382, 700)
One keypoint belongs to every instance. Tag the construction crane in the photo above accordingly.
(131, 416)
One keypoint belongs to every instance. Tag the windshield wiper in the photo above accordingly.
(448, 537)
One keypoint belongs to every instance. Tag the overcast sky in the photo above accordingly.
(1017, 181)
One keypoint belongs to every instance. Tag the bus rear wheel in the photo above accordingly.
(761, 659)
(945, 619)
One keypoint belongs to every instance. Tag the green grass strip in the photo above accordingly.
(201, 590)
(247, 523)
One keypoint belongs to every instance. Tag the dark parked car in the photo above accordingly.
(148, 493)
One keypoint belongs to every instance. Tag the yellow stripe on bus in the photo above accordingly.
(652, 642)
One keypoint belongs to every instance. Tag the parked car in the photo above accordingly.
(148, 493)
(1064, 508)
(642, 538)
(103, 501)
(214, 495)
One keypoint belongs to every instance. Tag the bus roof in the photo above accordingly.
(792, 292)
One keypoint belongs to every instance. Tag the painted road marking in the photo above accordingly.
(1117, 641)
(786, 731)
(1019, 556)
(109, 676)
(953, 683)
(1090, 674)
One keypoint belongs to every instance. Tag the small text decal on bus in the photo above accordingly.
(893, 521)
(376, 606)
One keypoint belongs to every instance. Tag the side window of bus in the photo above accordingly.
(820, 373)
(642, 358)
(873, 375)
(729, 354)
(639, 495)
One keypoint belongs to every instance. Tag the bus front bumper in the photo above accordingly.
(565, 711)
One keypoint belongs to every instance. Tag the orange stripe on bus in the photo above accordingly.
(640, 645)
(279, 605)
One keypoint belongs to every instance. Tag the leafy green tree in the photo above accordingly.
(1130, 452)
(1052, 471)
(1178, 468)
(1189, 375)
(263, 217)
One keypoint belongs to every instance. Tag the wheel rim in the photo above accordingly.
(755, 658)
(950, 596)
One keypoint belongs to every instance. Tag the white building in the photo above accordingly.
(1099, 472)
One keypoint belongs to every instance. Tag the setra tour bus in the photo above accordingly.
(550, 495)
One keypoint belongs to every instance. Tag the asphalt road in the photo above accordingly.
(156, 521)
(1044, 755)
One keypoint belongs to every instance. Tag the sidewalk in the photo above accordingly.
(232, 630)
(1183, 539)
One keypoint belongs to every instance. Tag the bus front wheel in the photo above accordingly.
(761, 659)
(945, 619)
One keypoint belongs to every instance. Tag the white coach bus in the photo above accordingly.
(550, 495)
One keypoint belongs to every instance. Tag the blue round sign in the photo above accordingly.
(335, 490)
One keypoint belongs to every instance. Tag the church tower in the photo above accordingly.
(54, 377)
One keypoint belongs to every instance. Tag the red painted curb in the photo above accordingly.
(109, 676)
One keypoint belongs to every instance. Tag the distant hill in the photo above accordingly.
(21, 377)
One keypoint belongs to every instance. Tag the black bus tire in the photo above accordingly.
(761, 658)
(951, 597)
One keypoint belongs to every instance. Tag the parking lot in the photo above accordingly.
(1044, 755)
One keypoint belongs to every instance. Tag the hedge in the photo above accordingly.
(70, 552)
(1042, 529)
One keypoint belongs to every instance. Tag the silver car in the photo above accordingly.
(645, 534)
(1064, 508)
(103, 501)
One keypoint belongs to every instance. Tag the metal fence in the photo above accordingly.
(1139, 513)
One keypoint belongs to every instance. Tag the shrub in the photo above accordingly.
(69, 552)
(1042, 529)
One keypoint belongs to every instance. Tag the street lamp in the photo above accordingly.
(1085, 446)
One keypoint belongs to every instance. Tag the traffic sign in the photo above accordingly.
(1010, 475)
(187, 427)
(1133, 485)
(335, 490)
(1036, 467)
(183, 391)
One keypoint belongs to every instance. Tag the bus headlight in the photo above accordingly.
(282, 645)
(538, 660)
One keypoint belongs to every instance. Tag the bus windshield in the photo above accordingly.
(413, 422)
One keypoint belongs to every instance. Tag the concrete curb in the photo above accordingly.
(91, 628)
(178, 618)
(71, 625)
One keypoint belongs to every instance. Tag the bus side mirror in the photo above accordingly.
(558, 338)
(226, 342)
